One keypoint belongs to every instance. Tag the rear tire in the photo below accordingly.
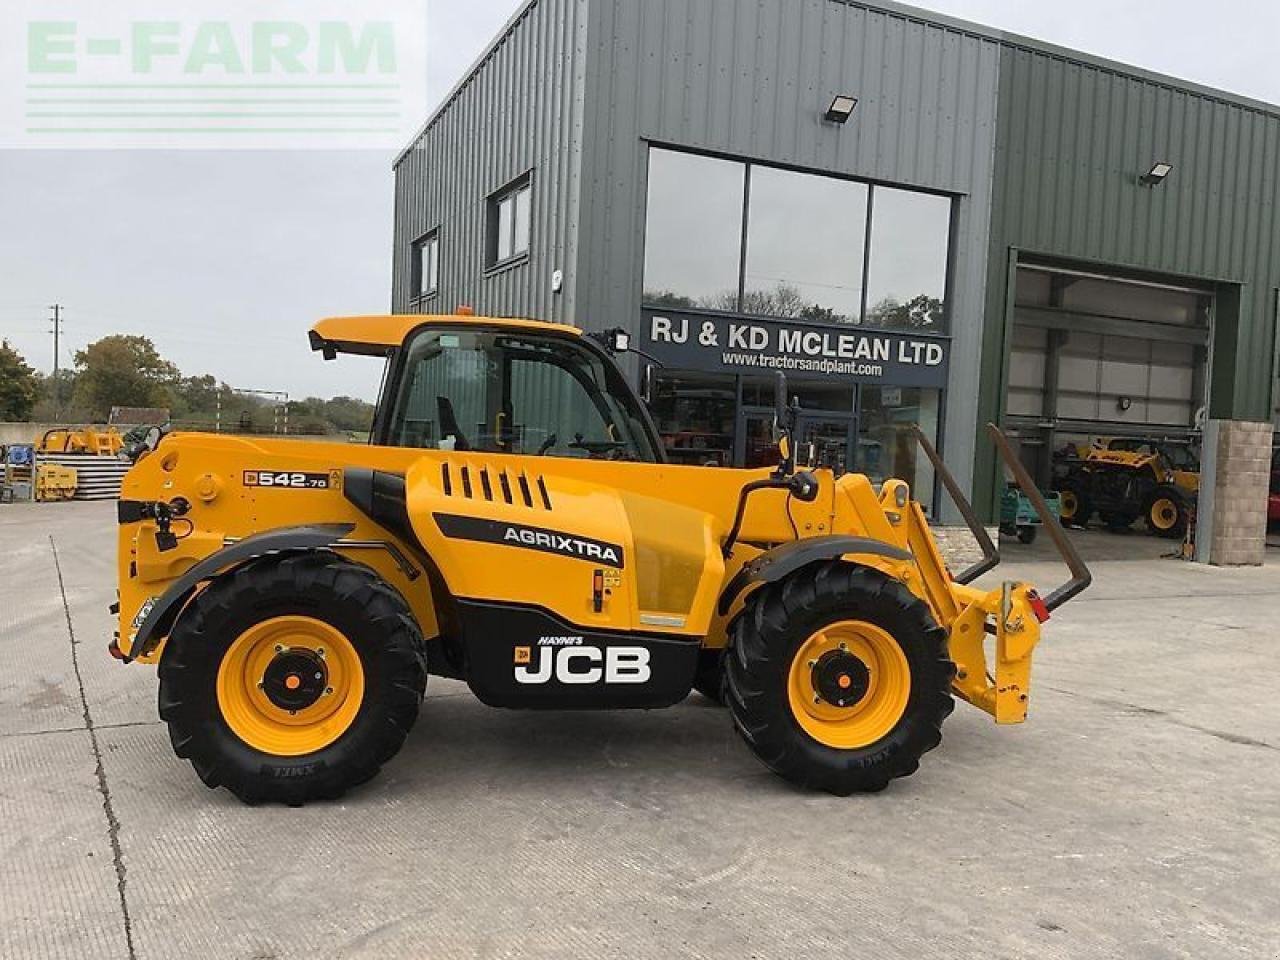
(903, 686)
(1075, 506)
(239, 645)
(1027, 535)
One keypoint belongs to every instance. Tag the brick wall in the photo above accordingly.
(1238, 500)
(959, 548)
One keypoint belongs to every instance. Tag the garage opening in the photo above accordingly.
(1106, 395)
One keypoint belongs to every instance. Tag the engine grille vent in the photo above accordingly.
(496, 484)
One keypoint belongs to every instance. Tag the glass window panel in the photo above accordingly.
(759, 444)
(805, 240)
(693, 231)
(435, 264)
(506, 217)
(427, 261)
(830, 394)
(491, 391)
(520, 239)
(907, 276)
(695, 417)
(886, 446)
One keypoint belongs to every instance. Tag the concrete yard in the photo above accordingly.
(1136, 815)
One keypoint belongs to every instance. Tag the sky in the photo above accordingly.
(225, 258)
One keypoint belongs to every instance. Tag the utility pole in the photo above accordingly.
(57, 383)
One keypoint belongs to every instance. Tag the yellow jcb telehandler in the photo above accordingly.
(514, 524)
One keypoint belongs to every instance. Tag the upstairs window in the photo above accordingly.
(509, 222)
(426, 265)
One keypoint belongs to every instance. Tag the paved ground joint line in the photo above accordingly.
(124, 725)
(113, 824)
(1165, 715)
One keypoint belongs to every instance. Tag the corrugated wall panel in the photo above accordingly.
(751, 79)
(1074, 137)
(520, 110)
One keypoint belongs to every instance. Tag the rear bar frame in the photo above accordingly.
(1080, 576)
(990, 555)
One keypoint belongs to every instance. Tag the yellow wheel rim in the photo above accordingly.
(1164, 514)
(861, 660)
(1067, 504)
(290, 685)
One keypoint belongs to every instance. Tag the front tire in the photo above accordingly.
(1167, 513)
(838, 678)
(1075, 506)
(291, 680)
(709, 680)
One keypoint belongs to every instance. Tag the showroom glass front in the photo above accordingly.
(725, 237)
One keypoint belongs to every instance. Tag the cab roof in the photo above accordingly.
(375, 335)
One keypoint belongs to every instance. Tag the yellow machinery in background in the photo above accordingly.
(100, 441)
(54, 482)
(515, 524)
(1124, 479)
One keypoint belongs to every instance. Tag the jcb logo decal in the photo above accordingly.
(581, 664)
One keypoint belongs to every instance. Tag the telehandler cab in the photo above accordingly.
(514, 525)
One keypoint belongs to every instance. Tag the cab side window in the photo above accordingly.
(505, 393)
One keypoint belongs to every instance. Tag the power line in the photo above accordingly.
(57, 387)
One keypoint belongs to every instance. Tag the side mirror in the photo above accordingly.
(781, 411)
(784, 417)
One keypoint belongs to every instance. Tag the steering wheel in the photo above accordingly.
(595, 446)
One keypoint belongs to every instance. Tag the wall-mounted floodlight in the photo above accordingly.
(1156, 174)
(841, 108)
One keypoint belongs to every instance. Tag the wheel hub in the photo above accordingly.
(295, 679)
(840, 678)
(849, 684)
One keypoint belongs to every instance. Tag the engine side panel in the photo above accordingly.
(598, 556)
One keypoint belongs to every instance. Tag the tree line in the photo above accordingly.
(787, 302)
(124, 370)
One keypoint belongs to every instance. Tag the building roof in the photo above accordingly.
(907, 12)
(374, 335)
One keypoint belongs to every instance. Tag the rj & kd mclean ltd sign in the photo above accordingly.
(714, 343)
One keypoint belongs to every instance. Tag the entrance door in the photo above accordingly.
(833, 436)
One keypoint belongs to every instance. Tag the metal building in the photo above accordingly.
(917, 219)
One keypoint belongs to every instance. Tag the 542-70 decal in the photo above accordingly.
(291, 480)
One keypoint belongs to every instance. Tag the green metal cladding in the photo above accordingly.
(1073, 136)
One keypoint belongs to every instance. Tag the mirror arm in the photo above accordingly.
(803, 486)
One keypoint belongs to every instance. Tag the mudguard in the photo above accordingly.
(773, 565)
(159, 619)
